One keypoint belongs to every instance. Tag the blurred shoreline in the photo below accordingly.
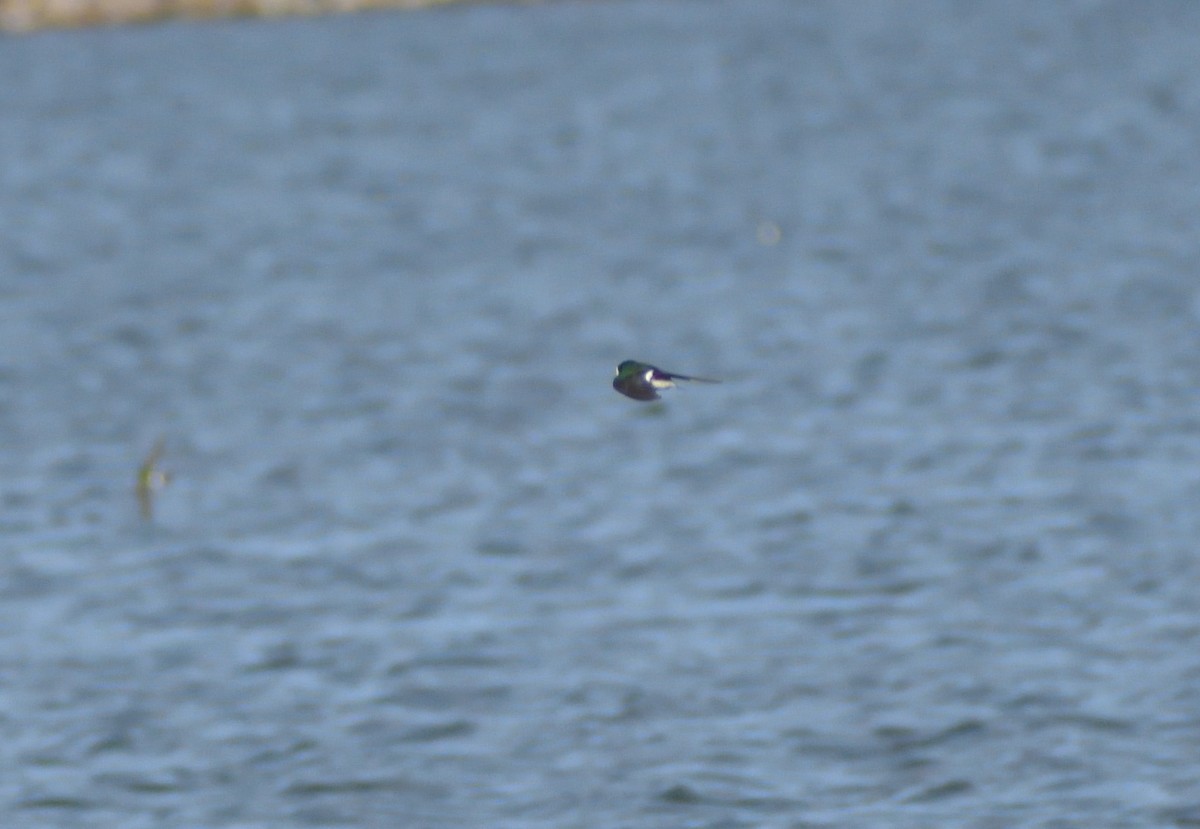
(33, 15)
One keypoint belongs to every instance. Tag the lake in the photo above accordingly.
(927, 556)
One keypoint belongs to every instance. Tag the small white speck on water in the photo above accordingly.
(768, 233)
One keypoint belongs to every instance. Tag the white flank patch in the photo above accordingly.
(658, 384)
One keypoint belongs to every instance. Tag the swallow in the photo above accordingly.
(642, 381)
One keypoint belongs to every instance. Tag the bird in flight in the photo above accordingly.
(642, 381)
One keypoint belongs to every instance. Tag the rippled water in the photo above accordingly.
(927, 557)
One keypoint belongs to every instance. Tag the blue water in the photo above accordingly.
(926, 557)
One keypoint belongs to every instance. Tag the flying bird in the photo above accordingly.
(642, 381)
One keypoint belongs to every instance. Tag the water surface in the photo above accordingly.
(926, 558)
